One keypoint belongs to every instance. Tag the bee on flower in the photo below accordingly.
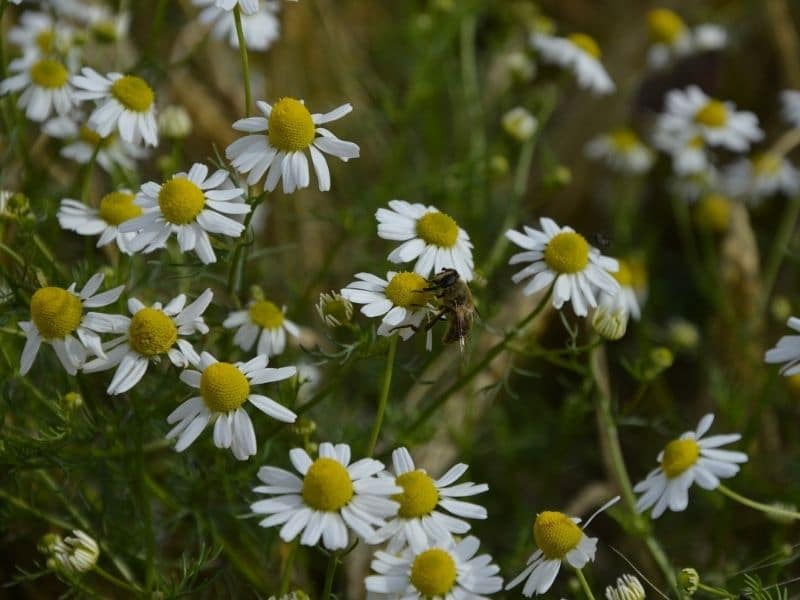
(44, 84)
(264, 321)
(580, 54)
(760, 177)
(261, 28)
(622, 151)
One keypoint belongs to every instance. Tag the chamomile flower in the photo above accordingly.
(787, 351)
(610, 319)
(58, 319)
(429, 236)
(150, 333)
(224, 388)
(191, 205)
(686, 460)
(669, 37)
(580, 54)
(37, 35)
(686, 148)
(762, 176)
(790, 107)
(559, 539)
(622, 151)
(263, 321)
(261, 28)
(82, 143)
(115, 208)
(45, 86)
(124, 102)
(443, 569)
(560, 256)
(278, 141)
(332, 496)
(248, 7)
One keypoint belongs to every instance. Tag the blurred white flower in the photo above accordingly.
(261, 28)
(115, 208)
(580, 54)
(622, 151)
(790, 109)
(44, 85)
(520, 124)
(761, 176)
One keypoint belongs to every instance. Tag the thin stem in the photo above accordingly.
(765, 508)
(714, 591)
(779, 246)
(248, 100)
(333, 560)
(87, 176)
(115, 580)
(384, 398)
(22, 505)
(286, 576)
(584, 584)
(237, 262)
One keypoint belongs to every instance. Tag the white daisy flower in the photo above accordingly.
(559, 539)
(436, 570)
(560, 255)
(125, 103)
(692, 187)
(580, 54)
(278, 141)
(790, 107)
(115, 208)
(418, 522)
(151, 332)
(686, 148)
(787, 351)
(708, 37)
(57, 317)
(632, 292)
(261, 29)
(191, 206)
(262, 321)
(37, 34)
(689, 459)
(248, 7)
(332, 496)
(106, 26)
(431, 237)
(45, 86)
(622, 151)
(224, 388)
(762, 176)
(669, 37)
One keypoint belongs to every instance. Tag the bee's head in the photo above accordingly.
(446, 278)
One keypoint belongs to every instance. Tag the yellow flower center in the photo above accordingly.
(433, 573)
(555, 534)
(696, 143)
(290, 126)
(567, 252)
(93, 138)
(266, 315)
(180, 200)
(152, 332)
(624, 140)
(419, 496)
(224, 387)
(678, 456)
(104, 32)
(44, 41)
(438, 229)
(713, 114)
(118, 207)
(767, 163)
(664, 25)
(55, 312)
(327, 485)
(713, 213)
(585, 43)
(133, 93)
(624, 275)
(49, 73)
(405, 289)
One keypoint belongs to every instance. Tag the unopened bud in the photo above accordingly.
(610, 322)
(174, 122)
(334, 309)
(688, 580)
(628, 588)
(520, 124)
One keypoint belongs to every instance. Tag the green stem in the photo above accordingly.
(584, 584)
(333, 560)
(384, 398)
(115, 580)
(765, 508)
(143, 500)
(779, 247)
(286, 576)
(237, 262)
(714, 591)
(683, 220)
(248, 100)
(22, 505)
(87, 176)
(48, 254)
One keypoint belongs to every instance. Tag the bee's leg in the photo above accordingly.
(436, 318)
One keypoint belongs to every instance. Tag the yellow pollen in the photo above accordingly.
(555, 534)
(118, 207)
(405, 289)
(266, 315)
(327, 485)
(664, 26)
(133, 93)
(224, 387)
(180, 200)
(152, 332)
(678, 456)
(433, 573)
(585, 43)
(767, 163)
(713, 213)
(713, 114)
(290, 126)
(93, 138)
(438, 229)
(49, 73)
(624, 140)
(567, 252)
(419, 496)
(44, 41)
(624, 275)
(55, 312)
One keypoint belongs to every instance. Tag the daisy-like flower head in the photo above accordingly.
(150, 333)
(125, 102)
(559, 539)
(45, 86)
(332, 496)
(418, 522)
(684, 461)
(278, 141)
(115, 208)
(443, 569)
(690, 188)
(580, 54)
(429, 236)
(622, 151)
(560, 255)
(263, 321)
(191, 206)
(334, 309)
(761, 176)
(669, 36)
(686, 148)
(57, 318)
(39, 36)
(632, 279)
(787, 351)
(790, 107)
(261, 28)
(224, 388)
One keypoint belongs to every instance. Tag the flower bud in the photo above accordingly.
(628, 588)
(688, 579)
(610, 322)
(498, 167)
(73, 400)
(780, 309)
(520, 124)
(76, 554)
(683, 335)
(713, 213)
(334, 309)
(174, 122)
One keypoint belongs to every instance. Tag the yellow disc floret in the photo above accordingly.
(419, 496)
(327, 485)
(665, 26)
(678, 456)
(433, 573)
(45, 41)
(406, 290)
(624, 275)
(152, 332)
(438, 229)
(180, 200)
(567, 252)
(266, 315)
(290, 126)
(624, 140)
(713, 114)
(49, 73)
(55, 312)
(133, 93)
(713, 213)
(224, 387)
(118, 207)
(767, 163)
(555, 534)
(585, 43)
